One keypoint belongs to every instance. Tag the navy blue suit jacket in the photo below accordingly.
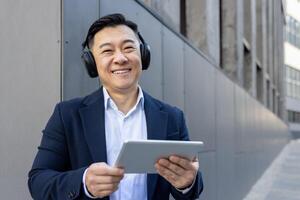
(74, 138)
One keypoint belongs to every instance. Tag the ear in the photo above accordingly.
(89, 62)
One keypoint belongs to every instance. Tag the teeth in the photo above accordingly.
(121, 71)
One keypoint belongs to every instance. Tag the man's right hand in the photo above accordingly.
(101, 180)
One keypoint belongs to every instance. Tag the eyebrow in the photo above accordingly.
(109, 44)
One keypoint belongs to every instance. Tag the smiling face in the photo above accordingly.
(117, 56)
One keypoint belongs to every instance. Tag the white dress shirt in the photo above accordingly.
(118, 128)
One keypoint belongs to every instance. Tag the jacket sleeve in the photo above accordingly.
(196, 190)
(51, 176)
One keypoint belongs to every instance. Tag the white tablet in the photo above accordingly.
(139, 156)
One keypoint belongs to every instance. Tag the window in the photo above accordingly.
(293, 82)
(292, 30)
(293, 116)
(197, 20)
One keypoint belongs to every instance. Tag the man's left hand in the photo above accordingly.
(180, 172)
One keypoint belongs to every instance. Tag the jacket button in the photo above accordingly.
(71, 194)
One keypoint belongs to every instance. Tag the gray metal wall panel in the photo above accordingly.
(29, 85)
(225, 136)
(240, 176)
(208, 167)
(151, 79)
(259, 121)
(257, 125)
(249, 124)
(251, 169)
(173, 69)
(78, 16)
(200, 98)
(251, 132)
(259, 140)
(240, 121)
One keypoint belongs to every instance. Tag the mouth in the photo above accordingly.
(121, 71)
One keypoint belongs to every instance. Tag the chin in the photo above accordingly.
(126, 87)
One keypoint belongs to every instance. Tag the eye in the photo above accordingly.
(106, 51)
(129, 49)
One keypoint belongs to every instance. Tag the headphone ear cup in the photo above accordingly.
(90, 64)
(145, 55)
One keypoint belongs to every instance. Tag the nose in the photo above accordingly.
(120, 58)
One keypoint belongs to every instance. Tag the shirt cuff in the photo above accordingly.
(84, 186)
(186, 190)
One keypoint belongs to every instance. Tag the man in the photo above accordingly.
(83, 136)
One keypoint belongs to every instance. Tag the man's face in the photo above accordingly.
(117, 56)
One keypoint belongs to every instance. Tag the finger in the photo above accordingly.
(106, 187)
(106, 179)
(166, 173)
(104, 169)
(112, 171)
(183, 162)
(97, 189)
(171, 178)
(103, 193)
(172, 166)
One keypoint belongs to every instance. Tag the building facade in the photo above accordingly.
(243, 39)
(292, 63)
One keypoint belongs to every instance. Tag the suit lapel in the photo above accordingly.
(156, 130)
(93, 122)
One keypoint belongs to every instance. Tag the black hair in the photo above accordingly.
(111, 20)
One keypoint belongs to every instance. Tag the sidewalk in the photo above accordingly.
(281, 181)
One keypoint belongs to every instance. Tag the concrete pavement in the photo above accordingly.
(281, 181)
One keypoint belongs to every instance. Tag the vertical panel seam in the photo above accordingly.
(61, 49)
(162, 62)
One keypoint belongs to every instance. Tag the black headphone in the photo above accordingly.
(90, 64)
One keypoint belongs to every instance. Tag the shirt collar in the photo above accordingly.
(108, 101)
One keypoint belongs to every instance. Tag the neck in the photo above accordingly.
(124, 100)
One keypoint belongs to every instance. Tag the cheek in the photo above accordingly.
(140, 71)
(102, 65)
(138, 61)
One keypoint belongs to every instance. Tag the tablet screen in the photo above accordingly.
(139, 156)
